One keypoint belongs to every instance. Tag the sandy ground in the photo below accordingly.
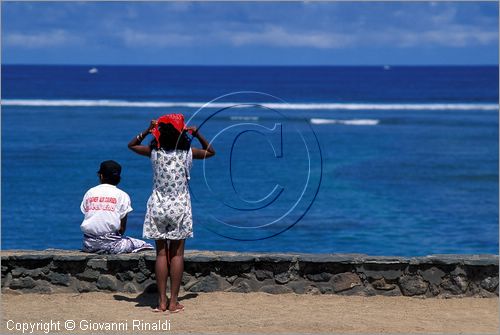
(254, 313)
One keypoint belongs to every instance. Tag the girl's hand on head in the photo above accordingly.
(193, 130)
(152, 125)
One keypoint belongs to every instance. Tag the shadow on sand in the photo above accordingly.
(149, 297)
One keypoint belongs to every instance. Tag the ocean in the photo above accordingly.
(379, 160)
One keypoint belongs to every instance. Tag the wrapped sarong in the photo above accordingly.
(113, 243)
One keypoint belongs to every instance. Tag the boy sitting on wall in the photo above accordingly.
(106, 208)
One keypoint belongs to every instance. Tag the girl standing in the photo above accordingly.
(168, 218)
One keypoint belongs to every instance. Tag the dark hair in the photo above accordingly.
(113, 180)
(171, 139)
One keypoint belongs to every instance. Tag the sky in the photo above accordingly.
(250, 33)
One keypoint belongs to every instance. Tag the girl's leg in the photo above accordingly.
(161, 272)
(176, 258)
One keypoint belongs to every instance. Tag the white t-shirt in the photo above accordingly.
(104, 206)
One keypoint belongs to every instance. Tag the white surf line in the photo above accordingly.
(300, 106)
(354, 122)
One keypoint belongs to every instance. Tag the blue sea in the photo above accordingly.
(377, 160)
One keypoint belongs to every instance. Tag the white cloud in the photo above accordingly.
(133, 38)
(272, 36)
(454, 36)
(445, 36)
(179, 6)
(41, 39)
(450, 35)
(444, 17)
(316, 26)
(278, 36)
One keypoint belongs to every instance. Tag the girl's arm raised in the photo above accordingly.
(207, 151)
(135, 143)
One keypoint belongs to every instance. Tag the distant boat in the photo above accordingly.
(387, 67)
(93, 70)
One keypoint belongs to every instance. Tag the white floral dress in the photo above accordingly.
(168, 213)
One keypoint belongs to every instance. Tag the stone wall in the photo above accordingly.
(348, 274)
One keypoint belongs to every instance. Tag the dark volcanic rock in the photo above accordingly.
(282, 278)
(210, 284)
(59, 278)
(206, 271)
(242, 287)
(380, 284)
(186, 278)
(140, 277)
(107, 282)
(125, 276)
(42, 286)
(323, 276)
(100, 264)
(432, 275)
(412, 285)
(358, 290)
(455, 284)
(83, 286)
(390, 274)
(7, 280)
(33, 273)
(130, 288)
(275, 289)
(22, 283)
(300, 286)
(263, 274)
(489, 283)
(434, 289)
(345, 281)
(88, 274)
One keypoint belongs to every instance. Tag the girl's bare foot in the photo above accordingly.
(175, 308)
(162, 306)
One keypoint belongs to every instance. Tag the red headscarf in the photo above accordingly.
(176, 120)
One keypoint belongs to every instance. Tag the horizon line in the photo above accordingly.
(254, 65)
